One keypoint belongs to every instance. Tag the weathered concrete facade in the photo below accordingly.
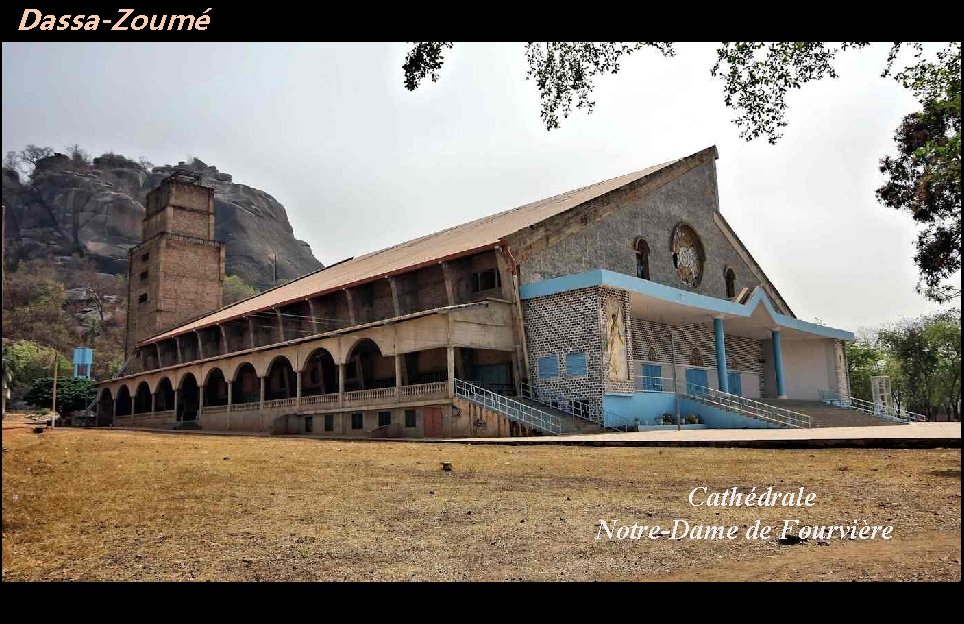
(589, 297)
(176, 273)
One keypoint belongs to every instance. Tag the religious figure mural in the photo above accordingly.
(617, 369)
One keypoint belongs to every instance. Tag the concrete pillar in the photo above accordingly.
(224, 339)
(341, 385)
(398, 376)
(281, 325)
(200, 400)
(230, 387)
(251, 344)
(450, 360)
(395, 300)
(261, 392)
(351, 307)
(200, 346)
(298, 388)
(449, 283)
(177, 391)
(314, 313)
(153, 401)
(721, 372)
(778, 364)
(177, 349)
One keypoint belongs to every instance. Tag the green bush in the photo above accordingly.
(692, 419)
(73, 393)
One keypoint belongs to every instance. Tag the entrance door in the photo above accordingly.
(734, 383)
(432, 417)
(696, 381)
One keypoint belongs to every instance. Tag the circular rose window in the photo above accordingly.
(688, 255)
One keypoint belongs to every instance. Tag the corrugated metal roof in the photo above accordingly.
(456, 241)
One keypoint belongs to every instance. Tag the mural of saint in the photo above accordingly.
(617, 369)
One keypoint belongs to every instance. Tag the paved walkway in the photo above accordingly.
(914, 435)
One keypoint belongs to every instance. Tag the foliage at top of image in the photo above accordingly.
(924, 178)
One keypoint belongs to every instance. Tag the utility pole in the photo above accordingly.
(53, 401)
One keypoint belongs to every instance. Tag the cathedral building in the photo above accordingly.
(621, 304)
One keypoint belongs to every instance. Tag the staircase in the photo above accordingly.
(758, 409)
(528, 412)
(835, 399)
(824, 415)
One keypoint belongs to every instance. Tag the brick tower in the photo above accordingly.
(175, 274)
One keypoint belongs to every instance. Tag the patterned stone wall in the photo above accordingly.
(742, 354)
(565, 323)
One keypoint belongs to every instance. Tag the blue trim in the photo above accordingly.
(721, 377)
(778, 363)
(602, 277)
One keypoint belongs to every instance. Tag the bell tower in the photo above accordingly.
(176, 272)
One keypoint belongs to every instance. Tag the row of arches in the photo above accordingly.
(366, 368)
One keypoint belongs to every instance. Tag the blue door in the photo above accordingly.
(696, 381)
(652, 377)
(734, 383)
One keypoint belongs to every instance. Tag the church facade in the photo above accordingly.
(597, 308)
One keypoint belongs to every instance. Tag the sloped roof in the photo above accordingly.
(453, 242)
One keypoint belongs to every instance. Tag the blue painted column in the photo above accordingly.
(721, 373)
(778, 364)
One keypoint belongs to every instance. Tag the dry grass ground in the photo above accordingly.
(113, 505)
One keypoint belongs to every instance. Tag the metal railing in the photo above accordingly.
(746, 407)
(831, 397)
(573, 407)
(654, 384)
(511, 408)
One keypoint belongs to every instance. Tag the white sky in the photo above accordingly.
(360, 163)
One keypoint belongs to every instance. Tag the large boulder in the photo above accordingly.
(71, 209)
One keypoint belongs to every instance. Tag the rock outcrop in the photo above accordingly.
(70, 209)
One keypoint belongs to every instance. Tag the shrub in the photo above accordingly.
(73, 393)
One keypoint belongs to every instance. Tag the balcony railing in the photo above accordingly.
(320, 399)
(374, 394)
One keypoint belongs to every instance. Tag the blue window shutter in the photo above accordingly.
(548, 366)
(576, 365)
(734, 383)
(652, 374)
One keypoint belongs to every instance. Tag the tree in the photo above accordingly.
(73, 393)
(235, 289)
(33, 307)
(26, 361)
(864, 360)
(925, 177)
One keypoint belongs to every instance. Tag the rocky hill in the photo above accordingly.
(69, 209)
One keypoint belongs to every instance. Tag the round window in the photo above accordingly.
(688, 255)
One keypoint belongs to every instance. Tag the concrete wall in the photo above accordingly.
(607, 243)
(649, 407)
(808, 367)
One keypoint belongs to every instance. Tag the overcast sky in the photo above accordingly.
(360, 163)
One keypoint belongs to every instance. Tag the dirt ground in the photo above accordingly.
(114, 505)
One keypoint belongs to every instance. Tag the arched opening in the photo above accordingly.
(164, 396)
(142, 399)
(189, 398)
(368, 368)
(215, 388)
(105, 408)
(653, 355)
(320, 374)
(123, 401)
(281, 381)
(642, 258)
(730, 277)
(246, 387)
